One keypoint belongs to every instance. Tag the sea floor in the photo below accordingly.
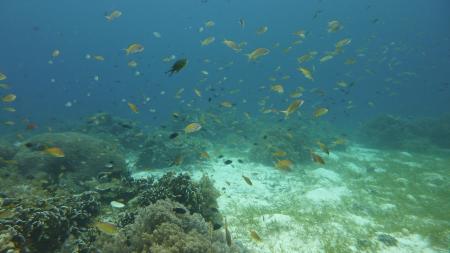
(361, 200)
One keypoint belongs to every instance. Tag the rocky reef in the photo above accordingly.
(84, 156)
(391, 132)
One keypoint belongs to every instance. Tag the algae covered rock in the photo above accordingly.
(83, 156)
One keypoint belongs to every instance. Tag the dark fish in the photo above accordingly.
(173, 136)
(240, 161)
(179, 210)
(247, 180)
(227, 162)
(177, 66)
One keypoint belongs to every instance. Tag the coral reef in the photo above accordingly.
(43, 225)
(167, 227)
(84, 156)
(198, 197)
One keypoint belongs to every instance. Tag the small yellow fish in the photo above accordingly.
(226, 104)
(326, 58)
(133, 107)
(293, 107)
(56, 53)
(9, 123)
(255, 236)
(247, 180)
(300, 33)
(132, 64)
(9, 98)
(320, 112)
(208, 41)
(9, 109)
(107, 228)
(284, 164)
(296, 94)
(134, 48)
(209, 24)
(343, 42)
(323, 147)
(99, 58)
(279, 153)
(278, 88)
(231, 44)
(192, 128)
(350, 61)
(54, 151)
(113, 15)
(339, 141)
(262, 30)
(204, 155)
(334, 26)
(306, 73)
(4, 86)
(257, 53)
(2, 76)
(198, 92)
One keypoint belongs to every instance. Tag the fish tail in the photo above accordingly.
(127, 51)
(286, 114)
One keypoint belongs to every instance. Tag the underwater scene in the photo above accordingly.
(224, 126)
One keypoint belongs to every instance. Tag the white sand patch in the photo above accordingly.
(322, 173)
(331, 194)
(365, 154)
(360, 220)
(354, 168)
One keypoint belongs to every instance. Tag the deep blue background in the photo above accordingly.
(413, 36)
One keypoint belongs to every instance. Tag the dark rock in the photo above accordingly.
(388, 240)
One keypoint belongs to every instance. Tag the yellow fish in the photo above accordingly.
(9, 98)
(56, 53)
(54, 151)
(343, 42)
(134, 48)
(257, 53)
(334, 26)
(209, 24)
(208, 41)
(279, 153)
(106, 227)
(113, 15)
(2, 76)
(231, 44)
(255, 236)
(226, 104)
(320, 112)
(4, 86)
(293, 107)
(132, 64)
(300, 33)
(306, 73)
(193, 127)
(133, 107)
(262, 29)
(284, 164)
(278, 88)
(9, 109)
(198, 93)
(326, 58)
(99, 58)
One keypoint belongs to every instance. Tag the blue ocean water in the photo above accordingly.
(388, 39)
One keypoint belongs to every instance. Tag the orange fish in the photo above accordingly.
(317, 158)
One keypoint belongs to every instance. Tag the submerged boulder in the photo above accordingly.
(81, 156)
